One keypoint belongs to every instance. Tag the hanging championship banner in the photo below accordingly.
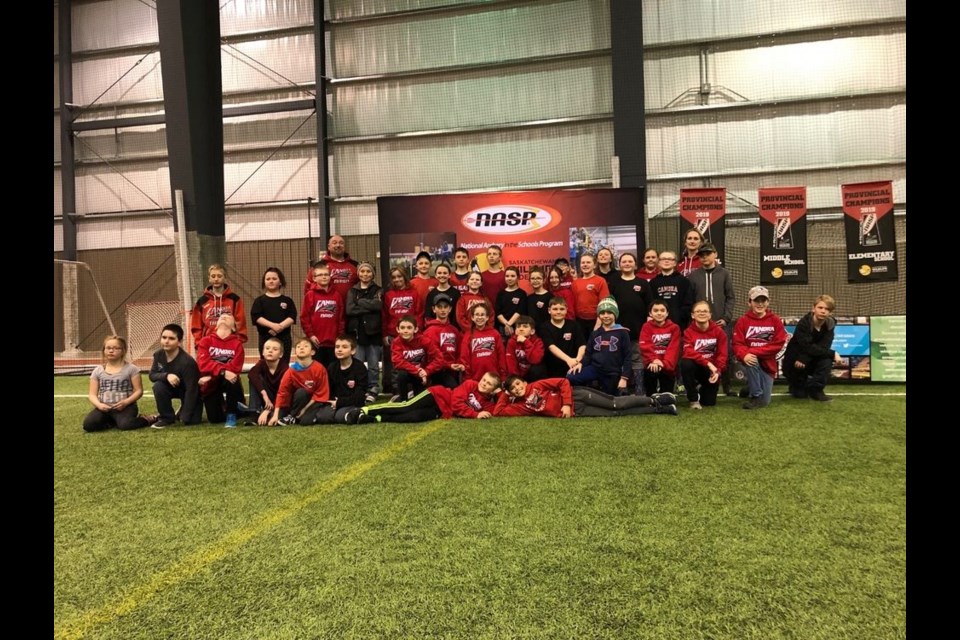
(868, 223)
(783, 235)
(704, 210)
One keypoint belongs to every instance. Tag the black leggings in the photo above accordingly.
(420, 408)
(693, 375)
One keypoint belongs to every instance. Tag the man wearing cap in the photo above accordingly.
(343, 268)
(758, 337)
(609, 353)
(712, 283)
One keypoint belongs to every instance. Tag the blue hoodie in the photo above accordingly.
(609, 350)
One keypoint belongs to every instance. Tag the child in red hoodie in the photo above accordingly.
(414, 360)
(660, 343)
(469, 299)
(304, 389)
(525, 351)
(323, 316)
(399, 300)
(550, 398)
(473, 400)
(217, 299)
(482, 348)
(557, 398)
(220, 360)
(758, 337)
(441, 332)
(704, 357)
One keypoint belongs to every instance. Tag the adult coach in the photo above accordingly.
(343, 268)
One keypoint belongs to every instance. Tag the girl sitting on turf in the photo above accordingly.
(115, 387)
(704, 357)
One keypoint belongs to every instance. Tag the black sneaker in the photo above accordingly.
(668, 409)
(820, 396)
(664, 399)
(288, 420)
(744, 393)
(731, 394)
(366, 418)
(753, 403)
(352, 416)
(162, 423)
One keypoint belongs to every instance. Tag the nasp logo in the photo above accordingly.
(510, 219)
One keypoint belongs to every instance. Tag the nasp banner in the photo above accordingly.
(532, 227)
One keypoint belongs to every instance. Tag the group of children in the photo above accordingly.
(449, 359)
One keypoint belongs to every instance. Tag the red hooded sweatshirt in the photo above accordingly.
(763, 337)
(209, 308)
(482, 351)
(216, 355)
(661, 343)
(446, 337)
(542, 398)
(415, 354)
(465, 401)
(323, 315)
(523, 355)
(702, 346)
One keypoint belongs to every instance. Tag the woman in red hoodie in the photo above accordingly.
(482, 348)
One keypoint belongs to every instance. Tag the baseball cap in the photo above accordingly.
(706, 248)
(758, 292)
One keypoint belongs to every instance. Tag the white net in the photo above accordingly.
(145, 320)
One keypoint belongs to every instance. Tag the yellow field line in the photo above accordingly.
(218, 549)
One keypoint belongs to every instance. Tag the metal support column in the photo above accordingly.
(192, 95)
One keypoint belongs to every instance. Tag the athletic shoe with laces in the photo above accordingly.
(370, 398)
(289, 419)
(696, 406)
(231, 422)
(820, 396)
(663, 399)
(352, 416)
(668, 409)
(162, 423)
(753, 403)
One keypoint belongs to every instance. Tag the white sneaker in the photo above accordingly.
(696, 406)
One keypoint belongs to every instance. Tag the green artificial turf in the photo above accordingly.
(787, 522)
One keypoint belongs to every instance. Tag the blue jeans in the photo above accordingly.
(760, 383)
(371, 354)
(589, 374)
